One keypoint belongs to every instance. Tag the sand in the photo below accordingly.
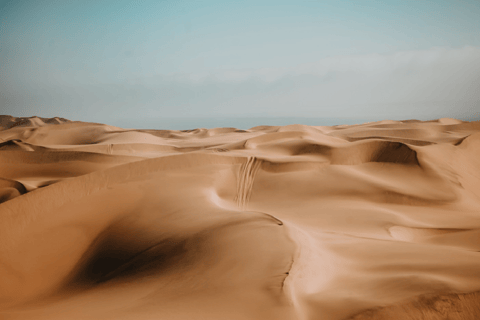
(372, 221)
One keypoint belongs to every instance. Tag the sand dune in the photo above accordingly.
(373, 221)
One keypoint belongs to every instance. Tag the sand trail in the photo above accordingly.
(245, 180)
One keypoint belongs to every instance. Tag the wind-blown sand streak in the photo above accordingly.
(372, 221)
(245, 181)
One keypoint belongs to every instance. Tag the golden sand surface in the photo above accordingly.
(373, 221)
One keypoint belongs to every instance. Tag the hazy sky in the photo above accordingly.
(108, 61)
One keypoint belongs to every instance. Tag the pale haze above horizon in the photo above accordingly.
(129, 63)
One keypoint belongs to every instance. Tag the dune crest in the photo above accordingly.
(372, 221)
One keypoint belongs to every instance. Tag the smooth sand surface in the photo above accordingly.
(372, 221)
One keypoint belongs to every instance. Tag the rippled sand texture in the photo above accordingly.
(372, 221)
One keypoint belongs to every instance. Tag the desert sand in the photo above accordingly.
(373, 221)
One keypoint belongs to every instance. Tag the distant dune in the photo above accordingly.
(373, 221)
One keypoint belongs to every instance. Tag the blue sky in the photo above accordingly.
(110, 60)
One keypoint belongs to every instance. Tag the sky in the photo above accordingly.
(133, 63)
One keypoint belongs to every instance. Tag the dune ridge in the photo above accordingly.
(373, 221)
